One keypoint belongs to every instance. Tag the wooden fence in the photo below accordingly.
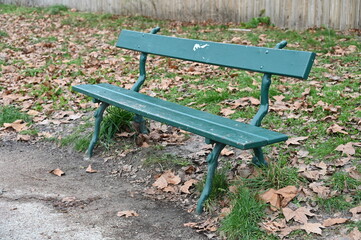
(291, 14)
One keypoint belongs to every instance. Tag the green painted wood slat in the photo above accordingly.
(220, 129)
(266, 60)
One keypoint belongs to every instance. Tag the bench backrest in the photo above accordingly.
(259, 59)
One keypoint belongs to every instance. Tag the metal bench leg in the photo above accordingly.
(141, 124)
(258, 158)
(212, 160)
(98, 119)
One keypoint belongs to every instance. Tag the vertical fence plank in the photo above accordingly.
(293, 14)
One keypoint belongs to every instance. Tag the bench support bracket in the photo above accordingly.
(212, 160)
(258, 158)
(98, 119)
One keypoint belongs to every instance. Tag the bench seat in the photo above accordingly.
(216, 128)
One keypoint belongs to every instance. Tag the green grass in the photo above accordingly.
(277, 175)
(165, 161)
(77, 48)
(9, 114)
(79, 139)
(334, 204)
(114, 120)
(219, 189)
(341, 181)
(242, 222)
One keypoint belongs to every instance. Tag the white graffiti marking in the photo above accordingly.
(198, 46)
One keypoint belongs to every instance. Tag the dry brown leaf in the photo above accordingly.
(22, 137)
(333, 221)
(160, 183)
(354, 173)
(128, 213)
(89, 169)
(321, 190)
(274, 226)
(288, 213)
(343, 161)
(33, 112)
(225, 212)
(287, 193)
(166, 178)
(209, 225)
(355, 234)
(299, 215)
(171, 189)
(271, 197)
(171, 178)
(312, 228)
(68, 199)
(227, 111)
(311, 175)
(18, 125)
(335, 128)
(356, 216)
(57, 172)
(287, 230)
(321, 165)
(227, 152)
(295, 140)
(346, 148)
(187, 185)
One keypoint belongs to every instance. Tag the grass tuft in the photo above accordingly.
(9, 114)
(242, 222)
(165, 161)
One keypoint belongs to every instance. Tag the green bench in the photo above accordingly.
(216, 130)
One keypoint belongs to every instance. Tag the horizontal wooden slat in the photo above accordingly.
(266, 60)
(227, 131)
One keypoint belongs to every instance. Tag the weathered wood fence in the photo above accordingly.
(292, 14)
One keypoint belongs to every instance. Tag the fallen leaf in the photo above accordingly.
(335, 128)
(312, 228)
(287, 230)
(57, 172)
(166, 178)
(346, 149)
(160, 183)
(209, 225)
(354, 173)
(22, 137)
(171, 178)
(299, 215)
(227, 111)
(333, 221)
(33, 112)
(321, 190)
(187, 185)
(311, 175)
(271, 197)
(355, 234)
(343, 161)
(225, 212)
(274, 226)
(68, 199)
(90, 169)
(18, 125)
(227, 152)
(356, 216)
(287, 193)
(295, 140)
(128, 213)
(169, 189)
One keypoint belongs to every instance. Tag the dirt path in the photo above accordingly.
(35, 204)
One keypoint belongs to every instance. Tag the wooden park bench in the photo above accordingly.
(215, 129)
